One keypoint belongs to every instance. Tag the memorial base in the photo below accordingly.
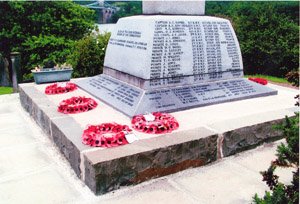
(205, 134)
(132, 100)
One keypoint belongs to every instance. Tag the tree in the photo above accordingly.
(41, 31)
(268, 33)
(87, 55)
(269, 40)
(215, 8)
(126, 9)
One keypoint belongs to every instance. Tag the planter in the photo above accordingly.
(52, 75)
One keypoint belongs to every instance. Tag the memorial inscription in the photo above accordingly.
(112, 91)
(129, 43)
(210, 41)
(200, 95)
(186, 47)
(126, 98)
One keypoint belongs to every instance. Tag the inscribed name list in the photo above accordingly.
(166, 47)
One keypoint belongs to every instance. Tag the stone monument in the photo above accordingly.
(172, 62)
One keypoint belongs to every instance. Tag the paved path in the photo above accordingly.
(32, 171)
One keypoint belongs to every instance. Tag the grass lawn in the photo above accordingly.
(269, 78)
(5, 90)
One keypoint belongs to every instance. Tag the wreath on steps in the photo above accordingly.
(60, 88)
(76, 105)
(105, 135)
(259, 80)
(155, 123)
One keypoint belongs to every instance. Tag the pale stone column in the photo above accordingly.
(173, 7)
(15, 67)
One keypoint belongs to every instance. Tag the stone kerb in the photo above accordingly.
(62, 129)
(148, 159)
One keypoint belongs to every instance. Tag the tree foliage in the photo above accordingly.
(47, 30)
(42, 30)
(44, 48)
(269, 40)
(87, 55)
(268, 34)
(126, 9)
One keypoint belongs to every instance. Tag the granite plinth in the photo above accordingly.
(174, 7)
(158, 47)
(204, 135)
(132, 100)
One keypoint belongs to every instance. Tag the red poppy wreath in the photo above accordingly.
(259, 80)
(77, 105)
(60, 88)
(155, 123)
(105, 135)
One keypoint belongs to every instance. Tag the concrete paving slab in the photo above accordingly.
(11, 121)
(224, 182)
(14, 129)
(4, 109)
(258, 157)
(8, 98)
(10, 137)
(160, 192)
(20, 159)
(46, 186)
(260, 160)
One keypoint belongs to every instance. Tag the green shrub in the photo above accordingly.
(287, 156)
(41, 30)
(40, 49)
(293, 77)
(87, 55)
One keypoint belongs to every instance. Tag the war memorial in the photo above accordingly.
(172, 59)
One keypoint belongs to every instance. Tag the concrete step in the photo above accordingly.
(205, 135)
